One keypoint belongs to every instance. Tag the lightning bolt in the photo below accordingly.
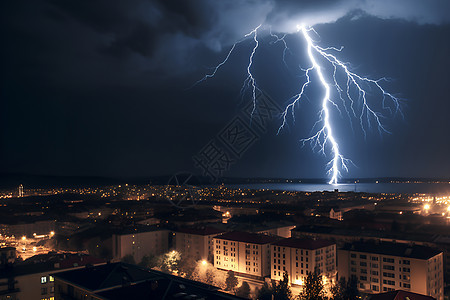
(324, 136)
(250, 81)
(323, 139)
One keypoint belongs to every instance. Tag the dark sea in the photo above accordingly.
(399, 188)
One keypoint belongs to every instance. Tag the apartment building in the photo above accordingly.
(196, 243)
(245, 253)
(299, 256)
(386, 266)
(140, 241)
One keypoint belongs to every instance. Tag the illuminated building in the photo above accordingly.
(20, 190)
(247, 254)
(299, 256)
(35, 280)
(385, 266)
(196, 243)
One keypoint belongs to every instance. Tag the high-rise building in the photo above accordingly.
(21, 190)
(385, 266)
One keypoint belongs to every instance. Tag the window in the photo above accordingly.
(375, 288)
(388, 267)
(374, 258)
(389, 282)
(407, 285)
(353, 269)
(362, 256)
(43, 291)
(389, 275)
(44, 279)
(363, 264)
(373, 279)
(353, 263)
(51, 279)
(363, 278)
(353, 255)
(374, 273)
(406, 270)
(388, 260)
(363, 271)
(406, 262)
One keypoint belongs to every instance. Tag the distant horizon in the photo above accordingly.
(10, 180)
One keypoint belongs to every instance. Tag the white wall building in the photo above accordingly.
(299, 256)
(245, 253)
(196, 243)
(382, 267)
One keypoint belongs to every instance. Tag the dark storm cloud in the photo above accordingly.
(157, 39)
(99, 86)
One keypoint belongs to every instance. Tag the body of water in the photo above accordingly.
(403, 188)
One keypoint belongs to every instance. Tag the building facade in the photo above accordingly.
(299, 256)
(245, 253)
(140, 242)
(383, 267)
(196, 243)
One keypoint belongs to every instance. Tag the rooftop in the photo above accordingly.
(400, 295)
(163, 288)
(393, 249)
(125, 281)
(200, 230)
(139, 229)
(247, 237)
(48, 263)
(309, 244)
(105, 276)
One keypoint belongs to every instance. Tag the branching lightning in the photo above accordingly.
(324, 140)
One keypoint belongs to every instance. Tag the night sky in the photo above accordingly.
(102, 88)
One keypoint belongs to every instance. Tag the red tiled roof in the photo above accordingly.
(309, 244)
(247, 237)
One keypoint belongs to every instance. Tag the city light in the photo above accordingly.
(426, 206)
(204, 262)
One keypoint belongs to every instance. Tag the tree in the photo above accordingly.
(244, 290)
(313, 289)
(282, 290)
(129, 259)
(345, 290)
(351, 291)
(265, 293)
(148, 261)
(231, 282)
(338, 290)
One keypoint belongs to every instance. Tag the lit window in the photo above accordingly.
(44, 279)
(51, 279)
